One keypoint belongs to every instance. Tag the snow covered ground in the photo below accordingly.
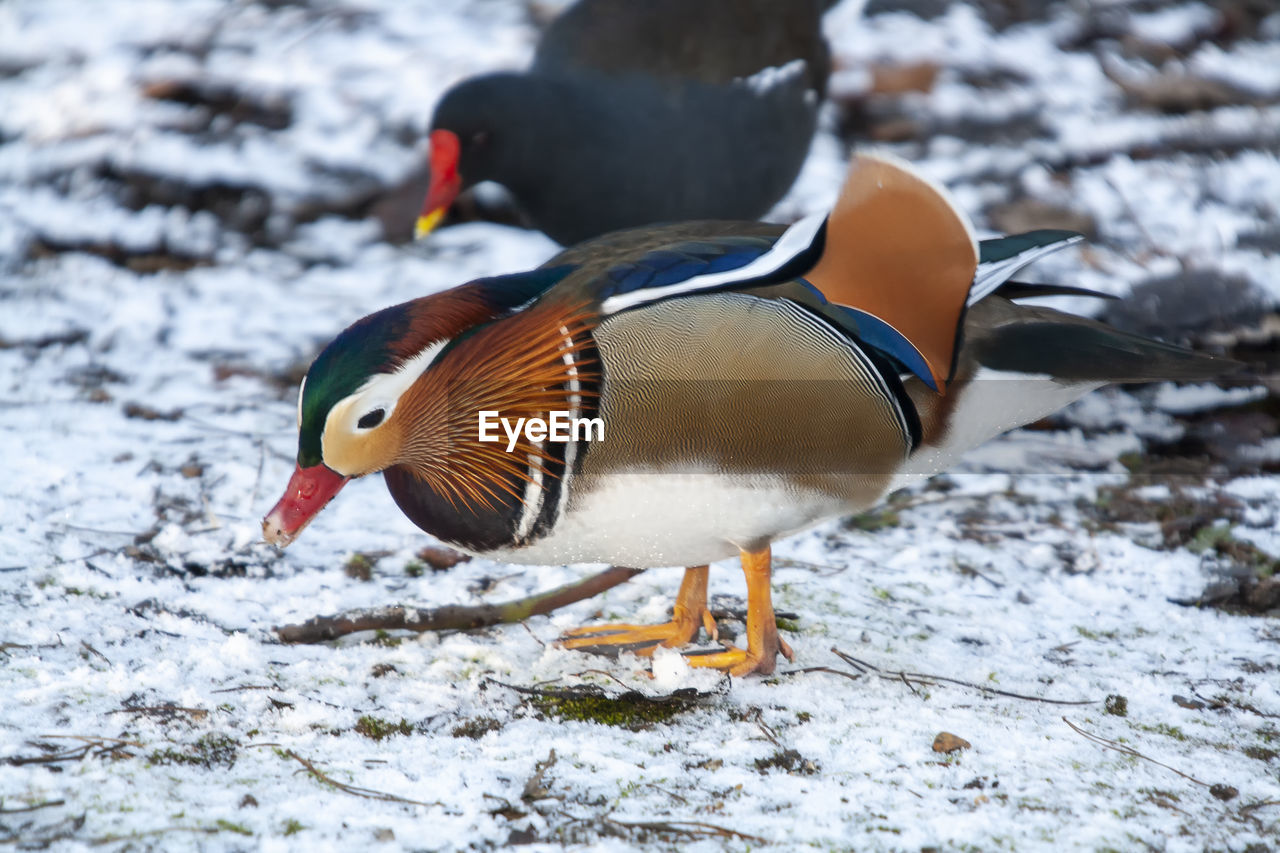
(183, 198)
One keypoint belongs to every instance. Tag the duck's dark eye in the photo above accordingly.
(372, 419)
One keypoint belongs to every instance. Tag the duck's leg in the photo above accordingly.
(763, 642)
(689, 612)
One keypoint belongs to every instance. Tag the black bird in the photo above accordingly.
(635, 113)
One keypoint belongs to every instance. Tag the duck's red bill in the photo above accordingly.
(308, 491)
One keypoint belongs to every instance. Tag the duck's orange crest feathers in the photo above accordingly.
(897, 247)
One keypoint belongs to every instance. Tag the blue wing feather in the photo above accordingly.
(870, 330)
(673, 264)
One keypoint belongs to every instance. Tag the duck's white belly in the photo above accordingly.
(647, 519)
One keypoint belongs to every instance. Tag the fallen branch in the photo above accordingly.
(367, 793)
(452, 617)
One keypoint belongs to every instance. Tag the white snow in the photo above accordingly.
(141, 452)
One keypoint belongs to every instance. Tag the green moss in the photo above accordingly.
(1161, 793)
(1207, 538)
(476, 728)
(359, 566)
(1163, 729)
(1260, 753)
(237, 828)
(382, 638)
(212, 750)
(415, 568)
(791, 625)
(376, 729)
(293, 827)
(1116, 705)
(870, 522)
(630, 710)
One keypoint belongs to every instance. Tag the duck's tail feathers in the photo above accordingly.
(1076, 349)
(1032, 290)
(1002, 258)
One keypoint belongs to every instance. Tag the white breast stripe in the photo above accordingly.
(794, 240)
(533, 496)
(575, 400)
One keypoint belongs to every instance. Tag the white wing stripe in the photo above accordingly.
(995, 273)
(795, 240)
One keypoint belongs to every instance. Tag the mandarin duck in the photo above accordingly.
(636, 113)
(750, 382)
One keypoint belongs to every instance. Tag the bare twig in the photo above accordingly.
(1248, 810)
(454, 617)
(91, 650)
(1128, 750)
(672, 794)
(533, 788)
(98, 746)
(691, 828)
(45, 805)
(852, 676)
(116, 838)
(925, 680)
(620, 682)
(96, 740)
(367, 793)
(166, 711)
(768, 732)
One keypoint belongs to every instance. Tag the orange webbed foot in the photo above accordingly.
(690, 612)
(763, 643)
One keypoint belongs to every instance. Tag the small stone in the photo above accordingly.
(947, 742)
(384, 834)
(522, 836)
(247, 801)
(1223, 792)
(441, 559)
(1265, 594)
(1190, 704)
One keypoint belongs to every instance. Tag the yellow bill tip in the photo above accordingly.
(427, 222)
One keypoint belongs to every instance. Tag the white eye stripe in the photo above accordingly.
(383, 391)
(389, 386)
